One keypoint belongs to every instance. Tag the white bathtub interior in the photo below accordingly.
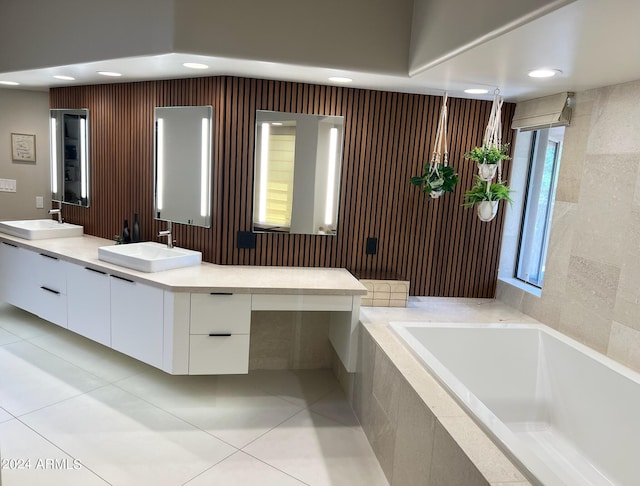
(568, 414)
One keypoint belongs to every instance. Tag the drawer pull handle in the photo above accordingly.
(50, 290)
(10, 244)
(96, 271)
(123, 279)
(48, 256)
(220, 293)
(219, 335)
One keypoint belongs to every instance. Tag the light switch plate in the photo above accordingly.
(7, 185)
(39, 202)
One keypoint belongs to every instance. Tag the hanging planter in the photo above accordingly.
(487, 210)
(489, 157)
(438, 176)
(486, 197)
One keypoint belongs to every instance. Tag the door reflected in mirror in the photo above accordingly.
(70, 156)
(298, 163)
(183, 164)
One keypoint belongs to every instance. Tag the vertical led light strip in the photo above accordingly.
(204, 173)
(83, 158)
(160, 168)
(264, 166)
(54, 157)
(331, 176)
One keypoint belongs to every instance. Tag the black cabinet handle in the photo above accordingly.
(50, 290)
(96, 271)
(220, 293)
(219, 335)
(9, 244)
(48, 256)
(122, 278)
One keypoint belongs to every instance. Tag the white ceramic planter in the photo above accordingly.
(487, 171)
(487, 210)
(436, 194)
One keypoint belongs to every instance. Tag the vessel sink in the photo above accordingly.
(149, 256)
(40, 229)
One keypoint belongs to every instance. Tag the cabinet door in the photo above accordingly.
(89, 306)
(48, 285)
(137, 313)
(24, 290)
(10, 275)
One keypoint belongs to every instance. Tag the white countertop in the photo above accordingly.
(205, 277)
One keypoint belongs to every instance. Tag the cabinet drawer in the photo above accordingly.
(51, 273)
(218, 355)
(302, 302)
(220, 313)
(51, 305)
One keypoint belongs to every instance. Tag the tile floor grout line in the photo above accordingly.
(276, 468)
(178, 418)
(62, 450)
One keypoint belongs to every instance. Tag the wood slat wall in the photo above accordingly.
(443, 249)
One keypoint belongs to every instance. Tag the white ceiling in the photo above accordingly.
(593, 42)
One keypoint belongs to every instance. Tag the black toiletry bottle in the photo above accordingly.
(126, 237)
(135, 235)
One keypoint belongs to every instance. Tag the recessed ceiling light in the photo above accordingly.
(195, 65)
(64, 78)
(340, 79)
(9, 83)
(109, 73)
(476, 91)
(544, 73)
(276, 124)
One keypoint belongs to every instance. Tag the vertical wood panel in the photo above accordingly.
(443, 249)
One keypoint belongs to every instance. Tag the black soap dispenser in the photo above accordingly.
(135, 235)
(126, 237)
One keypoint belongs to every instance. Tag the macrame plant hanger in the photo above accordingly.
(440, 154)
(487, 210)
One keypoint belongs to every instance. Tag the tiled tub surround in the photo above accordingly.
(385, 293)
(591, 288)
(419, 433)
(563, 411)
(292, 313)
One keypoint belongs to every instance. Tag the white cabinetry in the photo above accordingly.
(137, 320)
(12, 273)
(219, 333)
(89, 303)
(48, 287)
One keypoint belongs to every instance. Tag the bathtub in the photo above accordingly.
(563, 413)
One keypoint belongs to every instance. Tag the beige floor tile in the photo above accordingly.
(319, 451)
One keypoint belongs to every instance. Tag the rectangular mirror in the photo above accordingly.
(183, 164)
(70, 156)
(298, 163)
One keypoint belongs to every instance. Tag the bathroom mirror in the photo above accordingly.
(183, 164)
(70, 156)
(298, 162)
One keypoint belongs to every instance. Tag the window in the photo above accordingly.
(545, 147)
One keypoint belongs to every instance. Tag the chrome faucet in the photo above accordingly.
(57, 211)
(168, 234)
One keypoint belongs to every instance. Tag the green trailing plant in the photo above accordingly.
(444, 179)
(488, 154)
(498, 191)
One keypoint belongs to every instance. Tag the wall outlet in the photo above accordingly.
(39, 202)
(372, 246)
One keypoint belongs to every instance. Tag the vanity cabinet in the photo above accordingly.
(137, 320)
(219, 333)
(89, 303)
(11, 286)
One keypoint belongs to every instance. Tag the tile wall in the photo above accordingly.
(591, 289)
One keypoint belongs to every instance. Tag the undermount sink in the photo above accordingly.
(40, 229)
(149, 256)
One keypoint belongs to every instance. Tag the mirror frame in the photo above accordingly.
(318, 138)
(58, 152)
